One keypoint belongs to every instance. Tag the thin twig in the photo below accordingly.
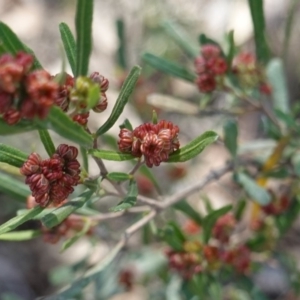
(139, 224)
(213, 175)
(137, 166)
(113, 215)
(151, 202)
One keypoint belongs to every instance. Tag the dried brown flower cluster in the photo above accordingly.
(75, 92)
(52, 180)
(153, 141)
(24, 93)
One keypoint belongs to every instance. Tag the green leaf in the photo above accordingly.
(122, 99)
(17, 236)
(239, 209)
(126, 124)
(69, 45)
(280, 173)
(13, 44)
(258, 20)
(19, 220)
(193, 148)
(188, 210)
(14, 188)
(290, 18)
(173, 235)
(110, 155)
(47, 141)
(12, 156)
(22, 126)
(204, 40)
(61, 213)
(230, 136)
(207, 204)
(72, 240)
(83, 22)
(210, 220)
(85, 159)
(231, 50)
(121, 53)
(169, 67)
(277, 79)
(119, 176)
(59, 122)
(181, 38)
(130, 198)
(256, 192)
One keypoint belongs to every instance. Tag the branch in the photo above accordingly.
(113, 215)
(139, 224)
(213, 175)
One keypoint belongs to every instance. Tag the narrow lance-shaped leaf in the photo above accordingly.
(69, 45)
(119, 176)
(122, 45)
(258, 20)
(169, 67)
(204, 40)
(122, 99)
(277, 79)
(173, 235)
(22, 126)
(130, 198)
(210, 220)
(110, 155)
(188, 210)
(230, 136)
(47, 141)
(193, 148)
(12, 156)
(18, 236)
(83, 22)
(181, 38)
(126, 124)
(13, 44)
(85, 158)
(231, 50)
(61, 213)
(59, 122)
(290, 18)
(256, 192)
(14, 188)
(239, 209)
(19, 220)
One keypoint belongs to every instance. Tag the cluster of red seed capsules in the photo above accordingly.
(210, 68)
(250, 73)
(73, 93)
(197, 257)
(52, 180)
(153, 141)
(24, 93)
